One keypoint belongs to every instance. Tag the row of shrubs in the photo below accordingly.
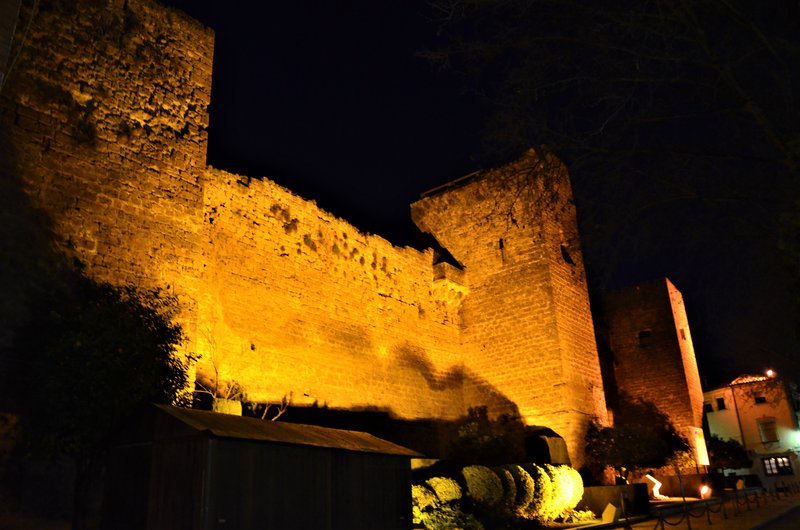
(480, 494)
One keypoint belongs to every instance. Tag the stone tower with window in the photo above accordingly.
(526, 324)
(653, 355)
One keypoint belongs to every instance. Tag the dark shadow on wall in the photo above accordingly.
(608, 362)
(478, 436)
(30, 265)
(414, 358)
(31, 268)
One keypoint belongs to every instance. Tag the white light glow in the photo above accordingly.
(656, 487)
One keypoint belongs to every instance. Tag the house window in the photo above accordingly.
(760, 400)
(683, 334)
(720, 403)
(707, 407)
(645, 338)
(768, 430)
(777, 465)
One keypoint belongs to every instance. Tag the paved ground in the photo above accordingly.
(789, 521)
(782, 513)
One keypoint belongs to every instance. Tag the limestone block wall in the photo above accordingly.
(103, 124)
(527, 324)
(691, 373)
(297, 301)
(652, 345)
(103, 120)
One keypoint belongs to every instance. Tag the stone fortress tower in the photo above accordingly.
(527, 327)
(105, 133)
(654, 358)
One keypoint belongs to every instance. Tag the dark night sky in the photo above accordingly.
(330, 100)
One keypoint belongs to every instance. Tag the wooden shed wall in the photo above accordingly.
(156, 485)
(272, 486)
(371, 491)
(178, 484)
(127, 485)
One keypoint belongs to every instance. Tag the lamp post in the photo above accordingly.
(738, 418)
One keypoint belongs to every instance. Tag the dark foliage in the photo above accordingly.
(727, 454)
(678, 123)
(90, 354)
(481, 440)
(642, 437)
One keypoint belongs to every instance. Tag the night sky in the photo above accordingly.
(331, 100)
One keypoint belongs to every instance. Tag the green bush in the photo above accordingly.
(446, 489)
(509, 488)
(483, 486)
(562, 487)
(438, 508)
(448, 517)
(422, 497)
(541, 506)
(496, 496)
(577, 487)
(525, 488)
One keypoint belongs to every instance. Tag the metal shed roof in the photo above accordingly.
(242, 428)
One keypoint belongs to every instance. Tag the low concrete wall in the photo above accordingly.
(671, 486)
(596, 498)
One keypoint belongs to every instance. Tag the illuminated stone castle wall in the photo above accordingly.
(104, 119)
(527, 324)
(298, 301)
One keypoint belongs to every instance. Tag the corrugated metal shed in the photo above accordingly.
(228, 426)
(183, 469)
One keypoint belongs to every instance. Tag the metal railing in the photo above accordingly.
(735, 501)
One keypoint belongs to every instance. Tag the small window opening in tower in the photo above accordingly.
(645, 338)
(566, 256)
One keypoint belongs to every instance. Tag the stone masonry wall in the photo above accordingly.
(527, 325)
(103, 121)
(649, 336)
(691, 373)
(299, 302)
(103, 125)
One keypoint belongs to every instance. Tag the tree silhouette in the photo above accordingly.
(727, 454)
(642, 437)
(90, 354)
(678, 123)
